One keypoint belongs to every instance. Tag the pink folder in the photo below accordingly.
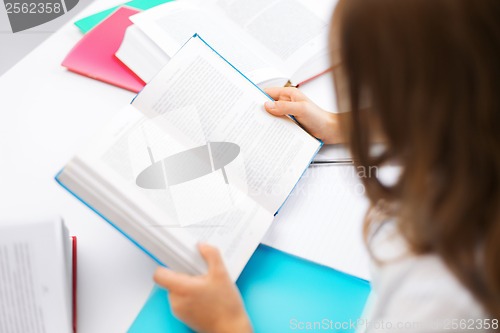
(94, 55)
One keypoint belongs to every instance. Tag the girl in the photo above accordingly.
(430, 72)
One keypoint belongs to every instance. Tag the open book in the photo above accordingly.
(37, 277)
(195, 157)
(271, 41)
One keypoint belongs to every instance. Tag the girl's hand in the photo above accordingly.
(318, 122)
(207, 303)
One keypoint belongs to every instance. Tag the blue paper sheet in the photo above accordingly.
(280, 293)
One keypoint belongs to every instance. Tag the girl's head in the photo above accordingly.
(429, 71)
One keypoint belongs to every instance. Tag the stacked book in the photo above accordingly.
(274, 43)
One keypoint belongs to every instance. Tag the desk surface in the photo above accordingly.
(46, 114)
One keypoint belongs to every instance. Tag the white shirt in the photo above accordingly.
(413, 293)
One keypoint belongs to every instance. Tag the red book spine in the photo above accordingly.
(74, 280)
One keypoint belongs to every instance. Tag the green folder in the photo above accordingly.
(87, 23)
(282, 293)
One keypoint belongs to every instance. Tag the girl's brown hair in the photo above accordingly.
(430, 70)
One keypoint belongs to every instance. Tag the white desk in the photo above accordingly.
(46, 113)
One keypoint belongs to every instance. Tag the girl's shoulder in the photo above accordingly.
(418, 292)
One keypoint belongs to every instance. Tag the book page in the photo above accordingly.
(35, 284)
(293, 30)
(199, 98)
